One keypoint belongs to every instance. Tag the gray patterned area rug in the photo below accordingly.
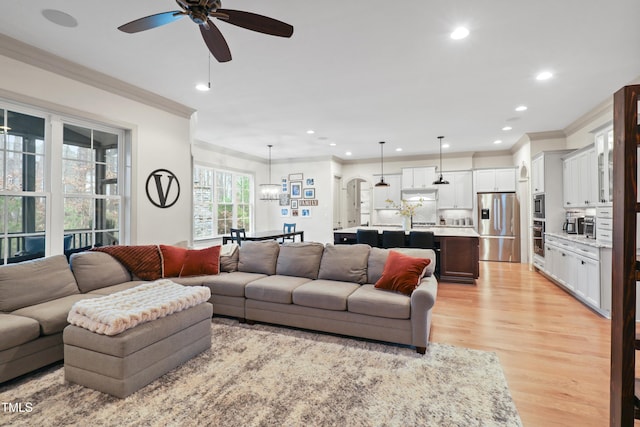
(263, 375)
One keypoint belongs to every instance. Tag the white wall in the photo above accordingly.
(159, 140)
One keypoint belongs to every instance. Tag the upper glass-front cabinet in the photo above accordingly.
(604, 147)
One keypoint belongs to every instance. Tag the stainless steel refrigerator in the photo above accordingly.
(499, 227)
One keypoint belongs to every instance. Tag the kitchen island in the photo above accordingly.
(457, 247)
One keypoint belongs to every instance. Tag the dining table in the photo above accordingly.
(266, 235)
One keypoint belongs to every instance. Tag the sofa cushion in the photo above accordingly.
(402, 273)
(33, 282)
(379, 302)
(300, 259)
(421, 253)
(108, 290)
(274, 288)
(95, 270)
(172, 260)
(347, 263)
(378, 258)
(52, 315)
(325, 294)
(231, 284)
(229, 255)
(16, 330)
(259, 257)
(143, 261)
(200, 262)
(375, 264)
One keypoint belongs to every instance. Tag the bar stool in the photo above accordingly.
(422, 239)
(368, 237)
(393, 239)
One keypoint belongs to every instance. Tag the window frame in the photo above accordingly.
(213, 197)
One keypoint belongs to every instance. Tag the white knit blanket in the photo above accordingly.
(115, 313)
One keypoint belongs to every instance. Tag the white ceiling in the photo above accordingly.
(361, 71)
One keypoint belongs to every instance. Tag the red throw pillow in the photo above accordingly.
(199, 262)
(172, 260)
(402, 273)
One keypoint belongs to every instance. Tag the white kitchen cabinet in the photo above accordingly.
(495, 180)
(580, 188)
(604, 156)
(537, 174)
(418, 178)
(391, 192)
(458, 194)
(582, 269)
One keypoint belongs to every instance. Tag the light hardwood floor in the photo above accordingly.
(555, 352)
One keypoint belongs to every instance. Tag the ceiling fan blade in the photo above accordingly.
(215, 42)
(151, 21)
(255, 22)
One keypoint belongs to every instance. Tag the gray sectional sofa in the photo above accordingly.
(307, 285)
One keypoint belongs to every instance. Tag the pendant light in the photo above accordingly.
(269, 191)
(381, 183)
(440, 179)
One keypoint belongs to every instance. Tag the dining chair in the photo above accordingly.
(368, 237)
(289, 228)
(393, 239)
(238, 235)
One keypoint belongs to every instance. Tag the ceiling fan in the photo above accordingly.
(200, 11)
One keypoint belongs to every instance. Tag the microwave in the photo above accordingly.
(538, 206)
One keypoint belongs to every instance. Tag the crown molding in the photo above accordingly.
(602, 108)
(552, 134)
(31, 55)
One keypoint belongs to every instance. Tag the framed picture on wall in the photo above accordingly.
(310, 182)
(296, 189)
(295, 177)
(284, 212)
(294, 212)
(294, 204)
(309, 193)
(306, 212)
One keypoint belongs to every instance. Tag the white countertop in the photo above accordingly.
(447, 230)
(580, 238)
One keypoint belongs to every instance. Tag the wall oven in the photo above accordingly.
(538, 206)
(538, 238)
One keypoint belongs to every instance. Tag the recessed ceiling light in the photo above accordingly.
(333, 144)
(311, 131)
(544, 75)
(398, 149)
(445, 145)
(203, 87)
(348, 153)
(497, 141)
(521, 108)
(459, 33)
(60, 18)
(507, 128)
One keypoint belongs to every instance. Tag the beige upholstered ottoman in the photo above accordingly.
(122, 364)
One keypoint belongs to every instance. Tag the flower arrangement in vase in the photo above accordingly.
(406, 209)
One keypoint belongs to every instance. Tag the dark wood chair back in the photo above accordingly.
(238, 235)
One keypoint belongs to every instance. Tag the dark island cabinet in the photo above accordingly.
(459, 259)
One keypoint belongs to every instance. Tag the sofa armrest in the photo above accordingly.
(423, 299)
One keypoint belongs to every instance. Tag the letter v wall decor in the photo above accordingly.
(163, 188)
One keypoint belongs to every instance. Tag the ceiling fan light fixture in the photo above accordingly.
(440, 180)
(269, 192)
(382, 183)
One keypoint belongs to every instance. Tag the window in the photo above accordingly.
(90, 186)
(221, 200)
(58, 179)
(23, 202)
